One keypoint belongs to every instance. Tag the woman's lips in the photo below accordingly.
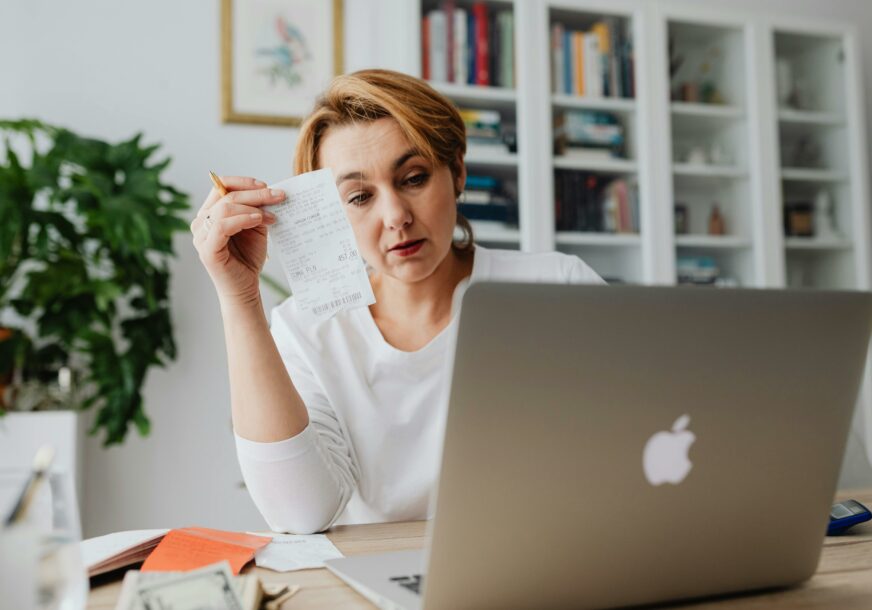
(407, 248)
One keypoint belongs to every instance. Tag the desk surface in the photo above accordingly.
(843, 579)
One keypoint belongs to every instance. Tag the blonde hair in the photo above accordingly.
(426, 118)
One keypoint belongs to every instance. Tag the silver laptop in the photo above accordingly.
(612, 446)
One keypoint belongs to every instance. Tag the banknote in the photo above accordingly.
(209, 588)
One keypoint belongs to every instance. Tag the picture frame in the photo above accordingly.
(276, 57)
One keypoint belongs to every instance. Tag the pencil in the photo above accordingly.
(218, 184)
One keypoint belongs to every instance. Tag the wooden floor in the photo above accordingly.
(843, 580)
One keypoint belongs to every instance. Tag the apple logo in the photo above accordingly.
(665, 456)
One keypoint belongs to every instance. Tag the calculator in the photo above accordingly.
(847, 514)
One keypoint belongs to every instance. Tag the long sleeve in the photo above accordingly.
(301, 484)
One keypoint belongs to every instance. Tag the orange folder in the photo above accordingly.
(195, 547)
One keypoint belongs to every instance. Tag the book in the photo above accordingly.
(471, 71)
(507, 49)
(461, 45)
(557, 70)
(482, 57)
(592, 65)
(500, 212)
(448, 9)
(578, 62)
(425, 47)
(119, 550)
(475, 181)
(438, 54)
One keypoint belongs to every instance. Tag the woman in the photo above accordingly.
(342, 421)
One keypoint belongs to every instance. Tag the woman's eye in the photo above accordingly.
(417, 179)
(359, 199)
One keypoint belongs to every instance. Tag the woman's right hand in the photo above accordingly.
(232, 242)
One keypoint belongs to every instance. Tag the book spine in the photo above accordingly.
(460, 47)
(471, 29)
(605, 49)
(593, 66)
(628, 63)
(448, 9)
(425, 47)
(615, 84)
(507, 49)
(557, 59)
(438, 52)
(495, 39)
(568, 63)
(482, 59)
(578, 62)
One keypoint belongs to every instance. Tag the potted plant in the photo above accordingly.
(86, 232)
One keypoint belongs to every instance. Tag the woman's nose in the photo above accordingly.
(396, 213)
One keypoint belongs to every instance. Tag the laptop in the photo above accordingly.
(615, 446)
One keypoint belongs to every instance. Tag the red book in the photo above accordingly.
(482, 48)
(425, 48)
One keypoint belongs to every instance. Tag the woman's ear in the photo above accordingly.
(459, 175)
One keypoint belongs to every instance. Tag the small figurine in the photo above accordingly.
(716, 224)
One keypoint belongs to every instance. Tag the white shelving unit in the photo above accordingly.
(709, 124)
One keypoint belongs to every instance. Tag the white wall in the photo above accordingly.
(110, 68)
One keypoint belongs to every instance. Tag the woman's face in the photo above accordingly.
(402, 209)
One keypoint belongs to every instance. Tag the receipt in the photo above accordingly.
(317, 248)
(288, 552)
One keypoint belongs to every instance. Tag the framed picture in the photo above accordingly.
(276, 57)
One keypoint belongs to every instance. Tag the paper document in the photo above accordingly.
(288, 552)
(317, 248)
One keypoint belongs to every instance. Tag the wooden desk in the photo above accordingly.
(843, 579)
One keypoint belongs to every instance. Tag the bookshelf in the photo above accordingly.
(757, 114)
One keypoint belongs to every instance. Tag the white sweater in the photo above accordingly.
(376, 414)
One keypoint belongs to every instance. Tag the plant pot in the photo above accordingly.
(23, 433)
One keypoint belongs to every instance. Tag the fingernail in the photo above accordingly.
(276, 193)
(260, 183)
(255, 216)
(269, 216)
